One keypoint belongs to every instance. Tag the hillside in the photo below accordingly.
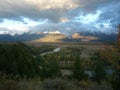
(51, 38)
(83, 38)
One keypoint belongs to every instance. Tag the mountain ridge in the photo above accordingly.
(59, 37)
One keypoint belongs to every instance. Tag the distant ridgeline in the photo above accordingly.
(23, 37)
(76, 37)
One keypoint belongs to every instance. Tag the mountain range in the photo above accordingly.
(59, 37)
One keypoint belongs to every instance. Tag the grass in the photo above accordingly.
(9, 83)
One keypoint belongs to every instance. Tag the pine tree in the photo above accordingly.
(98, 68)
(78, 71)
(16, 59)
(53, 66)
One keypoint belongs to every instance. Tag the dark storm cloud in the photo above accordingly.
(16, 9)
(61, 14)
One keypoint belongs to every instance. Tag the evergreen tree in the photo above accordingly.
(49, 67)
(53, 67)
(16, 59)
(78, 71)
(98, 68)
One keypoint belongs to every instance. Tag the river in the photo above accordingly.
(51, 52)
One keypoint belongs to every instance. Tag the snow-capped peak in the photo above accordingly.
(51, 32)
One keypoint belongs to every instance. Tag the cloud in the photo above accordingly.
(8, 31)
(4, 30)
(67, 16)
(54, 4)
(87, 18)
(35, 9)
(111, 13)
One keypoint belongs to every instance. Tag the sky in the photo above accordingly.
(66, 16)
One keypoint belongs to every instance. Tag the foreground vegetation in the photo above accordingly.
(24, 68)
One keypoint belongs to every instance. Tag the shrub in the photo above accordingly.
(58, 84)
(7, 82)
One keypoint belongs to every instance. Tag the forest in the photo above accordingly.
(23, 67)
